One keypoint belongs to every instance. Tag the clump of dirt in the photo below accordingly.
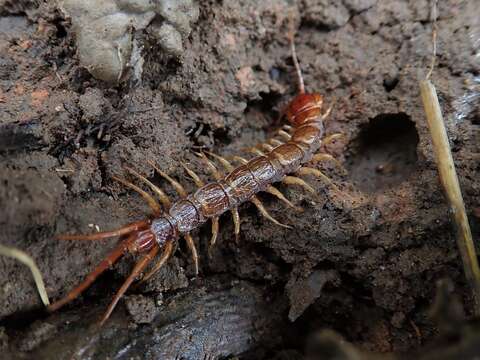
(362, 260)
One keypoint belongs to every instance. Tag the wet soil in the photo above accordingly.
(362, 261)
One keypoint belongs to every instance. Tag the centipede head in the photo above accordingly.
(304, 107)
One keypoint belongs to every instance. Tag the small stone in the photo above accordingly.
(169, 38)
(141, 308)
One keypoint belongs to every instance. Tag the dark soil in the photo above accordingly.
(363, 261)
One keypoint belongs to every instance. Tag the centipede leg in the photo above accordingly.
(321, 157)
(328, 139)
(255, 151)
(164, 199)
(108, 261)
(275, 142)
(256, 201)
(293, 180)
(304, 170)
(240, 159)
(236, 217)
(135, 272)
(200, 183)
(211, 166)
(215, 227)
(236, 223)
(157, 210)
(286, 136)
(196, 179)
(277, 193)
(167, 252)
(176, 185)
(267, 147)
(193, 250)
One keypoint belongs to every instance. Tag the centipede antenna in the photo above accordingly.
(291, 38)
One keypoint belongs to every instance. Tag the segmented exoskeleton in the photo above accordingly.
(277, 160)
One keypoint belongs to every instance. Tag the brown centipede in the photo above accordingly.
(278, 160)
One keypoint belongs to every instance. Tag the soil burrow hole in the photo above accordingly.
(384, 153)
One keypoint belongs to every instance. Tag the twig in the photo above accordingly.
(448, 176)
(27, 260)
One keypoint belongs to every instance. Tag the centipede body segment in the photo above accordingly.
(281, 159)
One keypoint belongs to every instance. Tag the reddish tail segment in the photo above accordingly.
(276, 159)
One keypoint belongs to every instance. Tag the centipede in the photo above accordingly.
(287, 156)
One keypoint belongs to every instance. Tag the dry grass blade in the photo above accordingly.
(449, 178)
(27, 260)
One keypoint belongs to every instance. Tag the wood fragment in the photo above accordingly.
(26, 259)
(449, 178)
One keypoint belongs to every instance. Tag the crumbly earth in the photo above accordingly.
(362, 260)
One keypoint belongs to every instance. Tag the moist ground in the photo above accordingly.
(362, 261)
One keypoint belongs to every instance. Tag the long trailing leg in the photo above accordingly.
(139, 267)
(167, 252)
(108, 261)
(107, 234)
